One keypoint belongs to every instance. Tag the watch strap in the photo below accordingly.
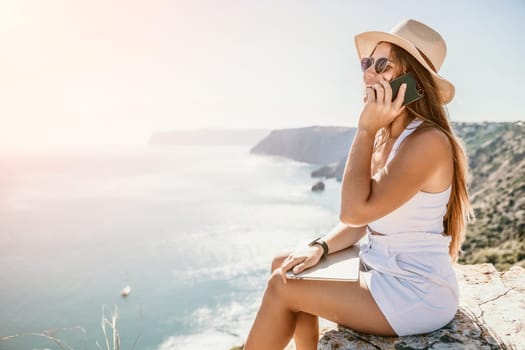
(322, 243)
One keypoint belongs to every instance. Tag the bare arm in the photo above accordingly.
(356, 186)
(342, 236)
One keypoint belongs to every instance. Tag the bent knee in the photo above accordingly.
(278, 260)
(275, 283)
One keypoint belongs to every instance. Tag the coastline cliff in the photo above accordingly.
(315, 144)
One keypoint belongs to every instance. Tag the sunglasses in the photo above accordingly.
(381, 64)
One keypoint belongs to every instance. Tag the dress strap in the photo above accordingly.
(404, 134)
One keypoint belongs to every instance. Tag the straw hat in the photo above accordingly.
(422, 42)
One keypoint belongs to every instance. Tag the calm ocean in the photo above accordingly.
(191, 229)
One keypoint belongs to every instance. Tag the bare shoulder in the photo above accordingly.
(424, 161)
(428, 140)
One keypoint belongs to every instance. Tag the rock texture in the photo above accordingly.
(491, 316)
(318, 186)
(330, 171)
(496, 154)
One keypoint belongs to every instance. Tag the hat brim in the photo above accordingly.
(367, 41)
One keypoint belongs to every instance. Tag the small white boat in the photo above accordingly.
(125, 291)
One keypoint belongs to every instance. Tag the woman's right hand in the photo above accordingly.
(379, 109)
(301, 259)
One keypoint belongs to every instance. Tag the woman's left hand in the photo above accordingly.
(379, 109)
(301, 259)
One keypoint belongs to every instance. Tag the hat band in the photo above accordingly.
(429, 62)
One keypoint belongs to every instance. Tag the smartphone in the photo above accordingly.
(413, 92)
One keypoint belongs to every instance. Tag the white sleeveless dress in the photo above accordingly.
(408, 270)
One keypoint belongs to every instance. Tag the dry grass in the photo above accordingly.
(109, 330)
(51, 335)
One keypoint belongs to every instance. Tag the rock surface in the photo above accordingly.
(327, 171)
(318, 186)
(491, 316)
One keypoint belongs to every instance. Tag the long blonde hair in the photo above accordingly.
(432, 112)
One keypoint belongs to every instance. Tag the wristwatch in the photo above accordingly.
(319, 241)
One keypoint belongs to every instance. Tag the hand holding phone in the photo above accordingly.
(413, 91)
(374, 116)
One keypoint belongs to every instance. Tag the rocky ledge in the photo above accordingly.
(491, 316)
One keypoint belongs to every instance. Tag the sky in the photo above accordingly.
(96, 72)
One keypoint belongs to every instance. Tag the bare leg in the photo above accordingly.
(306, 333)
(346, 303)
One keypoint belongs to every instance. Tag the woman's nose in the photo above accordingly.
(370, 72)
(369, 76)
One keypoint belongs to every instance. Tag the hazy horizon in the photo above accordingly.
(88, 73)
(125, 146)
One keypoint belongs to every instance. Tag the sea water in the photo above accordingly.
(191, 230)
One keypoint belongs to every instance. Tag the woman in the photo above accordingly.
(404, 186)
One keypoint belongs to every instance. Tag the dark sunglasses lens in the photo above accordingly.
(381, 64)
(366, 63)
